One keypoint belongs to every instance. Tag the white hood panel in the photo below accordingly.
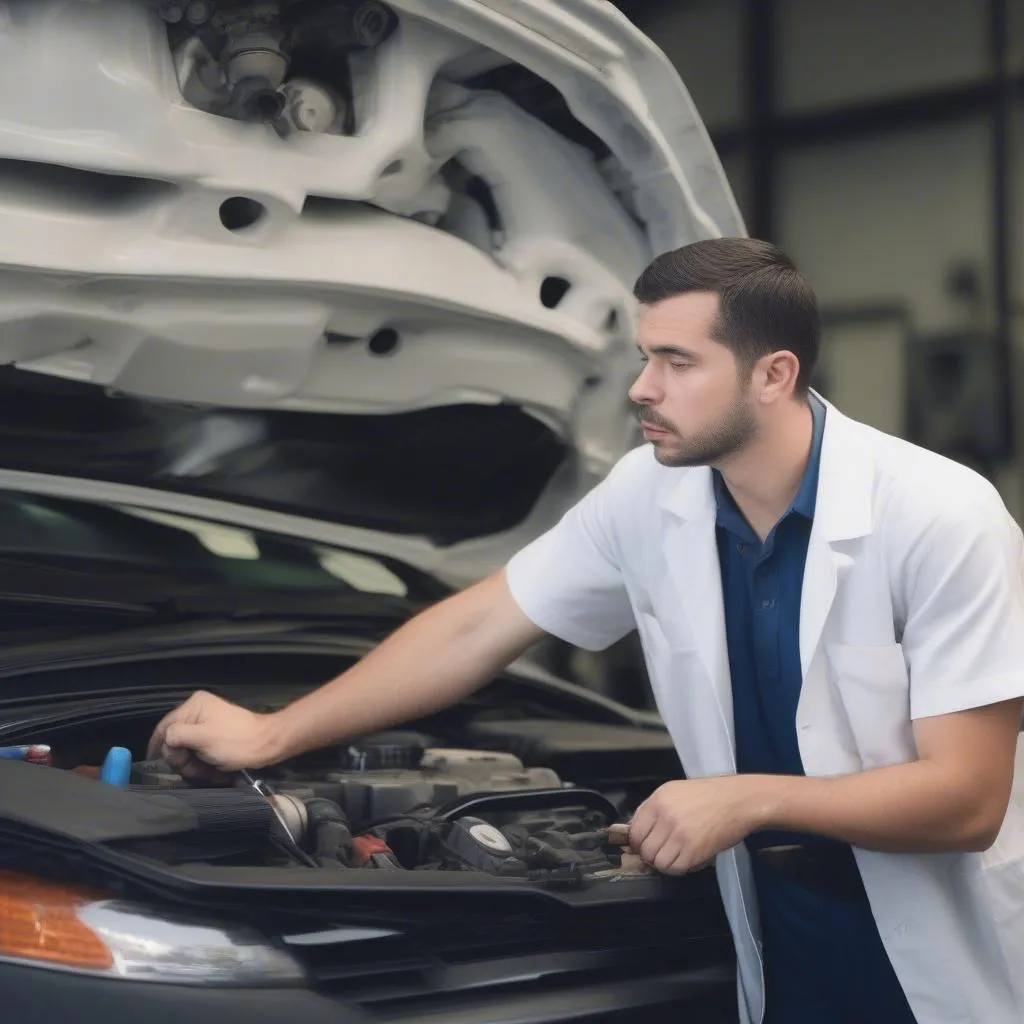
(157, 249)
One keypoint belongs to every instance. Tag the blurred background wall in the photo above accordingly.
(882, 145)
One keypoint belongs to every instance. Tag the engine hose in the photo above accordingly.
(329, 830)
(527, 800)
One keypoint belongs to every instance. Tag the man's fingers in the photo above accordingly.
(184, 736)
(618, 835)
(155, 750)
(680, 865)
(666, 857)
(158, 742)
(656, 839)
(641, 825)
(189, 713)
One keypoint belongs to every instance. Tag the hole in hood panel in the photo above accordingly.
(450, 473)
(240, 213)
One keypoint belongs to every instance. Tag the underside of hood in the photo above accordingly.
(273, 224)
(449, 490)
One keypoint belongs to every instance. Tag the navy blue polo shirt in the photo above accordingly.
(824, 959)
(761, 587)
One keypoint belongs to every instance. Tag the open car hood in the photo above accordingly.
(357, 262)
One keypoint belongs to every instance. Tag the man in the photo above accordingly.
(833, 622)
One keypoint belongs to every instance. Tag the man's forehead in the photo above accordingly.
(688, 316)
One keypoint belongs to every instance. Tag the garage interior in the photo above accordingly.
(882, 145)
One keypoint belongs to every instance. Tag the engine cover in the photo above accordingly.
(442, 776)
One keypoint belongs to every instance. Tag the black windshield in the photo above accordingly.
(69, 567)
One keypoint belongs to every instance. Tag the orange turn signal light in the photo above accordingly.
(39, 921)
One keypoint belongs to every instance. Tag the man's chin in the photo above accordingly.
(665, 452)
(672, 456)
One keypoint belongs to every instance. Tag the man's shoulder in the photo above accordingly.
(918, 487)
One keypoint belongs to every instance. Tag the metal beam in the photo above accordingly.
(759, 50)
(894, 113)
(1001, 113)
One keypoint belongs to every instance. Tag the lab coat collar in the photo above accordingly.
(846, 480)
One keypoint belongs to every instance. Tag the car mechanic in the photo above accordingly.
(833, 624)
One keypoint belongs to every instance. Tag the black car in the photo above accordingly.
(454, 870)
(311, 311)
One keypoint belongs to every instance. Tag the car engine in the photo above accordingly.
(395, 801)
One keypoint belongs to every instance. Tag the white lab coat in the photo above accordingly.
(913, 605)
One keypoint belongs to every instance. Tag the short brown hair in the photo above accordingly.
(765, 303)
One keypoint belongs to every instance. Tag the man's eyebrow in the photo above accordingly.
(668, 350)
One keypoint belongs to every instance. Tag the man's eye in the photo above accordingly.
(680, 366)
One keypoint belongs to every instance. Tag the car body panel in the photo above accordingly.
(368, 283)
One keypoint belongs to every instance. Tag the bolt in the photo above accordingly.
(370, 23)
(172, 11)
(198, 12)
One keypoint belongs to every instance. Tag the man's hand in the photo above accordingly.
(207, 732)
(953, 799)
(683, 825)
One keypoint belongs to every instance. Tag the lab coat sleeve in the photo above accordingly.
(963, 640)
(569, 581)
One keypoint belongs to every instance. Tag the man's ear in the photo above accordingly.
(777, 373)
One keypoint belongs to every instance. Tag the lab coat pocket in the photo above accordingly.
(874, 689)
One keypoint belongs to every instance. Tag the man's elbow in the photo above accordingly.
(976, 841)
(981, 829)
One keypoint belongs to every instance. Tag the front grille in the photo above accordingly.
(477, 969)
(398, 981)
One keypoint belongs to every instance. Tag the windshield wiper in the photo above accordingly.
(251, 603)
(130, 609)
(32, 584)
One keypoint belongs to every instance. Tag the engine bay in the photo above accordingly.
(400, 801)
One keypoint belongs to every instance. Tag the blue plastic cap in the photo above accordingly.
(117, 766)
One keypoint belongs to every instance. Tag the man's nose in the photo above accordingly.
(644, 390)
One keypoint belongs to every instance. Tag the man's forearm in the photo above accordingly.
(920, 807)
(433, 661)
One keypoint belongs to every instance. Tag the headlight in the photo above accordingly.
(71, 928)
